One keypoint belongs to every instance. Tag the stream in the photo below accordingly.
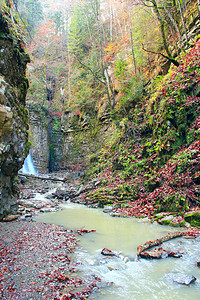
(144, 279)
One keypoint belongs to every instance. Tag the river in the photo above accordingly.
(144, 279)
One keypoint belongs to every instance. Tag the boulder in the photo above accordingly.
(184, 279)
(166, 220)
(193, 218)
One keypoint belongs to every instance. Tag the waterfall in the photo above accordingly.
(28, 166)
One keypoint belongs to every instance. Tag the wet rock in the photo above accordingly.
(48, 209)
(107, 252)
(116, 214)
(21, 210)
(86, 188)
(24, 217)
(187, 225)
(35, 204)
(184, 279)
(144, 220)
(64, 194)
(103, 284)
(124, 258)
(112, 268)
(10, 218)
(83, 231)
(198, 263)
(107, 209)
(160, 253)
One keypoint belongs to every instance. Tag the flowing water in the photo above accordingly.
(28, 167)
(144, 279)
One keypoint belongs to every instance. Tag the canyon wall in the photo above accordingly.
(14, 144)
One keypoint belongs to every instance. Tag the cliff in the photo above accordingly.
(13, 114)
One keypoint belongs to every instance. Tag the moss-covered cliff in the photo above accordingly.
(152, 163)
(13, 114)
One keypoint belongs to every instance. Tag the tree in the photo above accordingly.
(155, 6)
(31, 11)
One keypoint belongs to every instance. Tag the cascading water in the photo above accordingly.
(135, 280)
(28, 167)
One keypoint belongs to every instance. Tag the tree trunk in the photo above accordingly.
(103, 68)
(182, 17)
(132, 47)
(158, 242)
(172, 21)
(162, 27)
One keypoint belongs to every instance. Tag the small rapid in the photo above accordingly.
(144, 279)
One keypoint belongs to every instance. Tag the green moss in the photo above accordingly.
(193, 218)
(27, 146)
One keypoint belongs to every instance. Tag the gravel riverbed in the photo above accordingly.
(36, 262)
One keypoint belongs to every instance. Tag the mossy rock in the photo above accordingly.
(102, 203)
(193, 218)
(166, 220)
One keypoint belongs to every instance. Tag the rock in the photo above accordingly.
(62, 193)
(144, 220)
(160, 215)
(83, 231)
(193, 218)
(24, 217)
(126, 259)
(166, 220)
(187, 225)
(198, 263)
(48, 209)
(116, 214)
(112, 268)
(13, 114)
(184, 279)
(158, 253)
(107, 252)
(10, 218)
(21, 210)
(107, 209)
(28, 215)
(101, 284)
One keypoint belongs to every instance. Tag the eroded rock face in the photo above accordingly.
(13, 116)
(39, 139)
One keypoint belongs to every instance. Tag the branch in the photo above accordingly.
(175, 62)
(88, 68)
(159, 241)
(41, 177)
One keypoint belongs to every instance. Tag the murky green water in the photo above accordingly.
(146, 279)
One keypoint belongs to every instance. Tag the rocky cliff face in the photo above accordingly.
(39, 138)
(13, 114)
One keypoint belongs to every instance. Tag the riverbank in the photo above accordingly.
(38, 260)
(37, 263)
